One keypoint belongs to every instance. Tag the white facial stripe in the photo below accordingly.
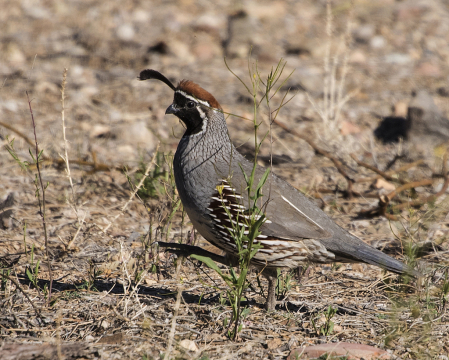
(202, 113)
(294, 207)
(193, 98)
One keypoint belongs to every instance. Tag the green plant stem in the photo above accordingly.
(41, 203)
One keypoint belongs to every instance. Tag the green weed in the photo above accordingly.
(328, 327)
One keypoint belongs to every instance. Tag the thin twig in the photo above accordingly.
(388, 173)
(176, 309)
(65, 158)
(10, 278)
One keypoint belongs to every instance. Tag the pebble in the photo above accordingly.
(209, 22)
(125, 32)
(400, 109)
(141, 16)
(429, 69)
(10, 105)
(397, 58)
(350, 350)
(364, 33)
(357, 57)
(188, 345)
(377, 42)
(99, 130)
(136, 134)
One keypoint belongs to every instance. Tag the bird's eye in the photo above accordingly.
(190, 104)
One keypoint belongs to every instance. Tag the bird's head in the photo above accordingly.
(193, 105)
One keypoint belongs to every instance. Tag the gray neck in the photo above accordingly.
(202, 160)
(202, 151)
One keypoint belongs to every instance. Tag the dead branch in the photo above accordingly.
(384, 200)
(386, 176)
(391, 172)
(338, 164)
(430, 198)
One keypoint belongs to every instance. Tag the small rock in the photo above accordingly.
(361, 224)
(141, 16)
(126, 151)
(125, 32)
(105, 324)
(358, 267)
(400, 109)
(188, 345)
(89, 90)
(410, 10)
(134, 236)
(443, 91)
(309, 78)
(111, 339)
(6, 211)
(429, 69)
(10, 105)
(37, 12)
(270, 10)
(136, 134)
(241, 27)
(160, 47)
(99, 130)
(426, 119)
(89, 338)
(357, 57)
(383, 184)
(149, 281)
(438, 187)
(398, 58)
(377, 42)
(364, 33)
(351, 351)
(338, 328)
(347, 128)
(210, 22)
(182, 50)
(47, 87)
(274, 343)
(206, 51)
(15, 55)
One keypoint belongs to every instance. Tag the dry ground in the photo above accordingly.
(114, 121)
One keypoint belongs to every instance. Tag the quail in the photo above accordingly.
(209, 178)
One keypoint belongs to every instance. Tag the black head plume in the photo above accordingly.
(153, 74)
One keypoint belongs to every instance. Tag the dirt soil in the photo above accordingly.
(113, 291)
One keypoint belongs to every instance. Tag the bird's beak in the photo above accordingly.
(171, 110)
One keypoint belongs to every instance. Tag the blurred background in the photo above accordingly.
(391, 48)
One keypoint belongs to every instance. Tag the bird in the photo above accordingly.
(210, 179)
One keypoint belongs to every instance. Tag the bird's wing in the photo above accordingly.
(289, 214)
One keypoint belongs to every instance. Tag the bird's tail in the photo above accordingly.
(355, 250)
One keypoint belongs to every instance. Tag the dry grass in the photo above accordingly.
(114, 294)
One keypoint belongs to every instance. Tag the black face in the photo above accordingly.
(189, 111)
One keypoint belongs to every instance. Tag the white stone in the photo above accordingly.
(125, 32)
(189, 345)
(377, 42)
(141, 15)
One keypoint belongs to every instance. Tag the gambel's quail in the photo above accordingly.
(212, 187)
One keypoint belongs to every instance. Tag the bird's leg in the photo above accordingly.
(271, 275)
(187, 250)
